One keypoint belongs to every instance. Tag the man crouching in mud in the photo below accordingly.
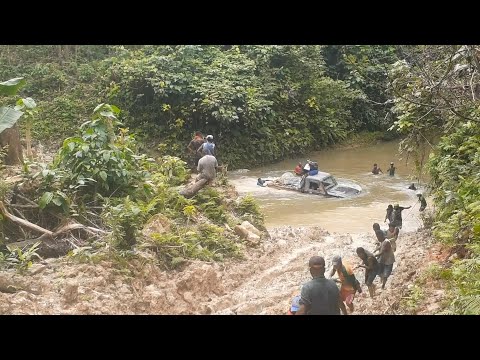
(320, 296)
(371, 266)
(350, 285)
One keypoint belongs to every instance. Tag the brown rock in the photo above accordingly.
(251, 228)
(253, 239)
(158, 224)
(37, 268)
(71, 292)
(241, 231)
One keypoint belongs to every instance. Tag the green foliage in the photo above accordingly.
(438, 113)
(277, 94)
(11, 87)
(20, 259)
(173, 169)
(364, 68)
(3, 153)
(124, 219)
(208, 242)
(9, 116)
(100, 161)
(412, 300)
(249, 210)
(211, 203)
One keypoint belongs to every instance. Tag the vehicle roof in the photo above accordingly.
(320, 176)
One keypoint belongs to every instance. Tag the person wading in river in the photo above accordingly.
(371, 266)
(320, 296)
(391, 170)
(350, 284)
(376, 170)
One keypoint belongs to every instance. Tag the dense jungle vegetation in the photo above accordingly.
(261, 103)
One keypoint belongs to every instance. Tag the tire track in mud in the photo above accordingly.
(270, 281)
(275, 277)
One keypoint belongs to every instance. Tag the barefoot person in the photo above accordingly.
(370, 264)
(386, 258)
(349, 283)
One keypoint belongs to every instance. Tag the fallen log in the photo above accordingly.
(46, 234)
(23, 222)
(191, 190)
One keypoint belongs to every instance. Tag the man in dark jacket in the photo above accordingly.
(320, 296)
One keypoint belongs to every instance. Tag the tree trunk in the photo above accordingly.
(190, 191)
(11, 137)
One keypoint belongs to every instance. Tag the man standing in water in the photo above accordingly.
(376, 170)
(349, 283)
(391, 170)
(320, 296)
(397, 215)
(371, 266)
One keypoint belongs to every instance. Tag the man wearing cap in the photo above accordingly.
(391, 171)
(320, 296)
(207, 148)
(349, 283)
(397, 215)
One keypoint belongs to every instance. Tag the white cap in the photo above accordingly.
(209, 137)
(419, 193)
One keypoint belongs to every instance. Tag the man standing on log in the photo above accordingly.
(207, 166)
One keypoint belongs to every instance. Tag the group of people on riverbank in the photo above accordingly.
(202, 151)
(321, 296)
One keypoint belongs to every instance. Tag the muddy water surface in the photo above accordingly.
(353, 215)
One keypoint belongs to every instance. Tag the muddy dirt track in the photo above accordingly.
(262, 283)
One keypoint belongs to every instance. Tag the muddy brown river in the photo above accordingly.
(353, 215)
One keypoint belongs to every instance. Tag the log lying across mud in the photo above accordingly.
(194, 188)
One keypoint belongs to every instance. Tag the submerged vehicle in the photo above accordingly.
(320, 184)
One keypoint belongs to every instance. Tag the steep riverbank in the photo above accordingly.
(263, 283)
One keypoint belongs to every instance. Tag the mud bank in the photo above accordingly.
(262, 283)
